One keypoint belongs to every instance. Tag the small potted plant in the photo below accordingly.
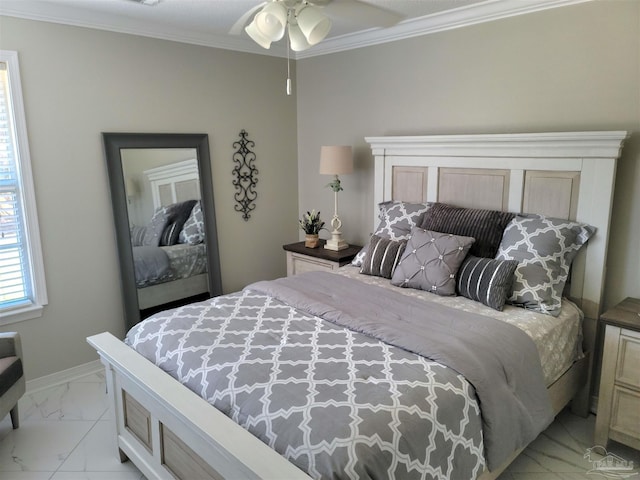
(311, 224)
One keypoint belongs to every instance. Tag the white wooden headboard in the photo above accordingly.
(565, 175)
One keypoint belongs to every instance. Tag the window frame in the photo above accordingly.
(39, 298)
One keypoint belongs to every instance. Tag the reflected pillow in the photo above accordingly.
(544, 248)
(137, 235)
(193, 230)
(431, 261)
(178, 215)
(156, 226)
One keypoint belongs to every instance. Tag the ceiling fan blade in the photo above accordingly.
(237, 27)
(362, 13)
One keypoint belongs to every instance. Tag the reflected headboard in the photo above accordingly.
(561, 174)
(173, 183)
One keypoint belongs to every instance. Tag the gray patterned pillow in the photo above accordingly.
(156, 226)
(382, 256)
(193, 230)
(544, 248)
(396, 221)
(431, 260)
(178, 214)
(486, 280)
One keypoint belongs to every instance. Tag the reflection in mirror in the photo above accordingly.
(165, 221)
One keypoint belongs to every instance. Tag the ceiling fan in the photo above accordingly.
(307, 22)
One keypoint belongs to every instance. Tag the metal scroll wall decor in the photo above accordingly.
(246, 175)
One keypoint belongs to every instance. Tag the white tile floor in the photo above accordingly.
(65, 435)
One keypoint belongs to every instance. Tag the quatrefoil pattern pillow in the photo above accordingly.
(544, 248)
(431, 261)
(193, 230)
(396, 221)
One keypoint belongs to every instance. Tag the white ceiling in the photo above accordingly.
(207, 22)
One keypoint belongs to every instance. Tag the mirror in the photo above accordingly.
(164, 214)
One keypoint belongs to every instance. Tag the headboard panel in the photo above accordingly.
(566, 175)
(173, 183)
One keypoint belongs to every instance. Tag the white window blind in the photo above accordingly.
(22, 289)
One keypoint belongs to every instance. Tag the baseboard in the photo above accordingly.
(64, 376)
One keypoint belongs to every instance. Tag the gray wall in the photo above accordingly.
(79, 82)
(571, 68)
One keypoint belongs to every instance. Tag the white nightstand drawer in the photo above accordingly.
(625, 415)
(628, 366)
(301, 264)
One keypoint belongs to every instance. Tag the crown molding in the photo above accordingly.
(44, 11)
(589, 144)
(438, 22)
(456, 18)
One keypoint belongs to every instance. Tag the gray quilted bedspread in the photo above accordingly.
(338, 403)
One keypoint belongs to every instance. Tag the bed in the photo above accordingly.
(169, 431)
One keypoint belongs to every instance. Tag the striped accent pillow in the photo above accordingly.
(486, 226)
(137, 235)
(486, 280)
(382, 256)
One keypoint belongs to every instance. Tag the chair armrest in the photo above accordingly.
(10, 345)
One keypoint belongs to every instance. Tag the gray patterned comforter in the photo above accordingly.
(336, 402)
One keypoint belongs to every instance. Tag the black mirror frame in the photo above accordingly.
(113, 143)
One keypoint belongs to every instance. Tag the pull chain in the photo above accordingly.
(288, 61)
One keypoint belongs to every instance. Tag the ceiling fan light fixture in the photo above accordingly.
(257, 36)
(271, 21)
(297, 39)
(315, 25)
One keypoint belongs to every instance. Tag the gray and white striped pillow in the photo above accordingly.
(486, 280)
(382, 256)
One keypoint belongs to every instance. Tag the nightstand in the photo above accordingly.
(301, 259)
(619, 399)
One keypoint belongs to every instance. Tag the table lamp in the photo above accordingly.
(336, 160)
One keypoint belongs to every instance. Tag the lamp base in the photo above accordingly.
(336, 242)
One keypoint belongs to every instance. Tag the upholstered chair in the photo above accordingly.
(12, 382)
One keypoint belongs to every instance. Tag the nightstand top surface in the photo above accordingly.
(321, 252)
(626, 314)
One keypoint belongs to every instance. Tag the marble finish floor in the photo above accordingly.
(65, 434)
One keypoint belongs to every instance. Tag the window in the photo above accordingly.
(22, 286)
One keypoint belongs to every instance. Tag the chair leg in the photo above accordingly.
(15, 418)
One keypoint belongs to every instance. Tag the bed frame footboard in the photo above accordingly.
(170, 432)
